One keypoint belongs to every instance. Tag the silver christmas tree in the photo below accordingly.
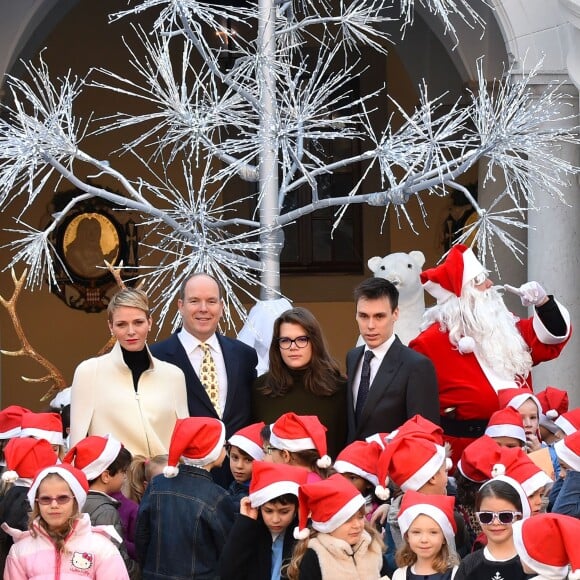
(255, 110)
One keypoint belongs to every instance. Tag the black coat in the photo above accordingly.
(247, 554)
(405, 385)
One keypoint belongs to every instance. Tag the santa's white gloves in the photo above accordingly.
(530, 293)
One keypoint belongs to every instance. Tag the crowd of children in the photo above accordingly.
(386, 508)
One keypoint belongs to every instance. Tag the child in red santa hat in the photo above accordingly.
(244, 447)
(261, 542)
(338, 544)
(565, 497)
(24, 459)
(548, 546)
(184, 517)
(60, 542)
(500, 502)
(300, 440)
(428, 526)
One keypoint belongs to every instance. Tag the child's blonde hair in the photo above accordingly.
(140, 473)
(58, 536)
(444, 560)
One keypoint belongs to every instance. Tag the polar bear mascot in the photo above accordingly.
(404, 271)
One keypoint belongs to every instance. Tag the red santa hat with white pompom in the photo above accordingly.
(448, 279)
(329, 503)
(554, 403)
(291, 432)
(198, 441)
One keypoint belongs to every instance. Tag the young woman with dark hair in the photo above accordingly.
(303, 377)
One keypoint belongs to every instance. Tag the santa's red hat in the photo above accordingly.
(421, 427)
(506, 423)
(437, 507)
(521, 468)
(328, 503)
(93, 454)
(271, 480)
(449, 278)
(410, 462)
(568, 450)
(43, 426)
(25, 457)
(293, 432)
(75, 478)
(569, 422)
(11, 421)
(548, 543)
(515, 398)
(249, 439)
(478, 459)
(198, 440)
(360, 458)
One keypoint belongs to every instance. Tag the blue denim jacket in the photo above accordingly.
(568, 500)
(182, 526)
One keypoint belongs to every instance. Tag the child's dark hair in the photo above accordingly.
(243, 453)
(501, 490)
(265, 433)
(285, 499)
(121, 463)
(466, 490)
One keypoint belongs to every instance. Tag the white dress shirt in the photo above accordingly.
(379, 352)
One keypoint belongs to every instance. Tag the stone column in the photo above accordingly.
(554, 261)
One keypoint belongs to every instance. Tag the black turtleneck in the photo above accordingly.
(138, 362)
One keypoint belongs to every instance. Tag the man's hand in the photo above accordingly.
(530, 293)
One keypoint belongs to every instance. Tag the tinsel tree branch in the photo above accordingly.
(282, 97)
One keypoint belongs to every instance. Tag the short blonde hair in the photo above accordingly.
(130, 297)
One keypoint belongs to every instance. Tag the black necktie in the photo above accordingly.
(365, 383)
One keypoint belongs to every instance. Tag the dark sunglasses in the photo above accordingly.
(506, 517)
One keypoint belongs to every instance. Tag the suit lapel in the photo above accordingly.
(231, 370)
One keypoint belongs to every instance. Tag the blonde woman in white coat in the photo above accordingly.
(127, 392)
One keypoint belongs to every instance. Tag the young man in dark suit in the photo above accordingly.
(200, 351)
(388, 382)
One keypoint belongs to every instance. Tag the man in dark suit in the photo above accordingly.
(233, 363)
(387, 382)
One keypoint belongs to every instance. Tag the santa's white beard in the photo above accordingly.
(484, 317)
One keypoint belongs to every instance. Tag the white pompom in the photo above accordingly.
(301, 534)
(448, 464)
(170, 470)
(324, 462)
(552, 414)
(382, 493)
(9, 476)
(498, 469)
(466, 344)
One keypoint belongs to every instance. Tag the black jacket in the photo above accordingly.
(247, 554)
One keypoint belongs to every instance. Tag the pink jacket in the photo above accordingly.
(88, 553)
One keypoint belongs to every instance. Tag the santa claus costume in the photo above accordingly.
(478, 347)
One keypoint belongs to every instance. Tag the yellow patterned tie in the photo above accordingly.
(208, 377)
